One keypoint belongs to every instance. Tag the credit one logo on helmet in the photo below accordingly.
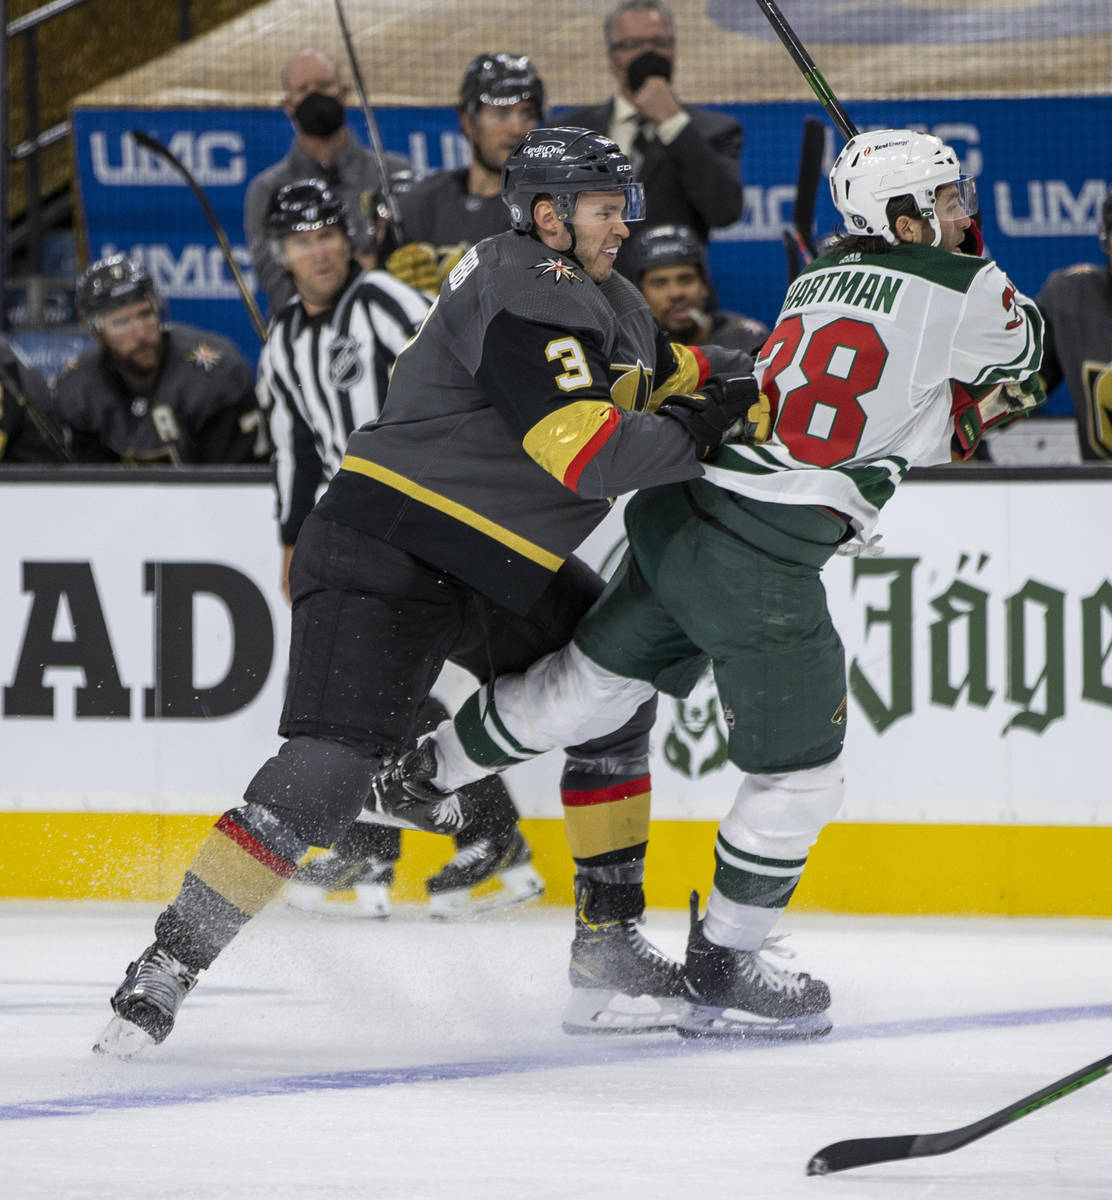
(214, 158)
(544, 150)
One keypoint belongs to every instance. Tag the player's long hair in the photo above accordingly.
(898, 206)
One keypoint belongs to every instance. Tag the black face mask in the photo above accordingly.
(319, 115)
(649, 63)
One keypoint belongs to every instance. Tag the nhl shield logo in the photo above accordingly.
(345, 365)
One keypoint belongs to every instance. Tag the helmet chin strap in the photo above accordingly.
(571, 233)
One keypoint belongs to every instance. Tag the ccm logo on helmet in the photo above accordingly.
(544, 150)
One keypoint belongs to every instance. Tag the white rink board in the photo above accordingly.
(946, 763)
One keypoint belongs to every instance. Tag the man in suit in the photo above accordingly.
(688, 158)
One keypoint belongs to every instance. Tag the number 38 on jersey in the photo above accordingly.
(816, 380)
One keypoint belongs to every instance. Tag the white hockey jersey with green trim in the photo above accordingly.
(861, 368)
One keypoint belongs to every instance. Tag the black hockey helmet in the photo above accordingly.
(110, 283)
(668, 246)
(500, 80)
(305, 205)
(1106, 223)
(561, 163)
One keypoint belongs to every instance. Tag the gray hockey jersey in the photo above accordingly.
(522, 407)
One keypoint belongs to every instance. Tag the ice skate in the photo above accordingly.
(451, 889)
(370, 878)
(741, 994)
(402, 795)
(620, 982)
(146, 1003)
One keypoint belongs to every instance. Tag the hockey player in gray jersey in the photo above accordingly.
(1076, 303)
(501, 98)
(891, 351)
(537, 388)
(323, 372)
(151, 391)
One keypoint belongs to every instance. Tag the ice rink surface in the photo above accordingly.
(409, 1059)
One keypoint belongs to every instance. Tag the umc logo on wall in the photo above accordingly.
(68, 589)
(215, 158)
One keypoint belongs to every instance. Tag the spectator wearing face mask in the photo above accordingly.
(325, 148)
(688, 158)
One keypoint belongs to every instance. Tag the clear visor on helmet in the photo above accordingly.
(953, 201)
(604, 208)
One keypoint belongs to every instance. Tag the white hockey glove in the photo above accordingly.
(975, 412)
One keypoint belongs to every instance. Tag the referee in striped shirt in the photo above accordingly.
(322, 374)
(324, 369)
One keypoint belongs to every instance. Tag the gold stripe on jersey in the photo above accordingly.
(458, 512)
(560, 437)
(684, 379)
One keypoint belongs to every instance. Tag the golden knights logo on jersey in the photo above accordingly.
(558, 269)
(345, 362)
(631, 385)
(204, 356)
(1097, 380)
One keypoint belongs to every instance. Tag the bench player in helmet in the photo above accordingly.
(670, 268)
(537, 389)
(149, 391)
(323, 373)
(501, 98)
(1076, 303)
(892, 350)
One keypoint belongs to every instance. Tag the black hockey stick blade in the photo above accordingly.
(863, 1152)
(807, 181)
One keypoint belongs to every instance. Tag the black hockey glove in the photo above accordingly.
(723, 410)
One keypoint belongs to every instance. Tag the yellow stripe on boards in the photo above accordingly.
(855, 868)
(459, 512)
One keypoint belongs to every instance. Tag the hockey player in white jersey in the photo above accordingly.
(891, 351)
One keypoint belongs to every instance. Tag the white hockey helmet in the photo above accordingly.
(874, 167)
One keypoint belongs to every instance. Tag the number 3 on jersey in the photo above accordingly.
(821, 420)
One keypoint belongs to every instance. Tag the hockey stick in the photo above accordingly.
(810, 72)
(43, 427)
(372, 130)
(156, 147)
(799, 237)
(863, 1152)
(807, 182)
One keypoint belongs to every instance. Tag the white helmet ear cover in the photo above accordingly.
(874, 167)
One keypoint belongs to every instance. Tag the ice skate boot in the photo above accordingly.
(741, 994)
(402, 795)
(146, 1003)
(368, 877)
(620, 982)
(510, 866)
